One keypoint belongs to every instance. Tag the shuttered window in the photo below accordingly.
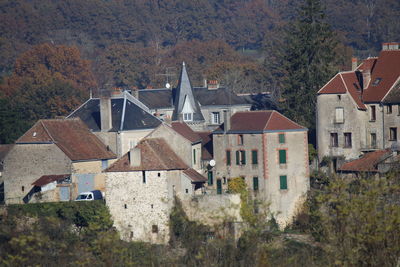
(228, 157)
(254, 157)
(339, 116)
(281, 138)
(282, 156)
(255, 183)
(237, 157)
(283, 182)
(242, 157)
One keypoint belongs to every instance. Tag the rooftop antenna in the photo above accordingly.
(169, 72)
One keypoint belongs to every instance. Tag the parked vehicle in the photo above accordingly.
(89, 196)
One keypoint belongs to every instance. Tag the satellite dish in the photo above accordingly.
(168, 85)
(212, 163)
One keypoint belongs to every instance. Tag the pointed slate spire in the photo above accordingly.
(184, 98)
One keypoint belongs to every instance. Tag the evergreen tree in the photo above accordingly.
(308, 62)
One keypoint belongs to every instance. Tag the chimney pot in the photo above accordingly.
(354, 63)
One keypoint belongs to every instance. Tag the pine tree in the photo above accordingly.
(308, 62)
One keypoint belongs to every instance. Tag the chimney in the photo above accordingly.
(366, 76)
(212, 85)
(135, 157)
(105, 111)
(390, 46)
(227, 120)
(354, 63)
(135, 92)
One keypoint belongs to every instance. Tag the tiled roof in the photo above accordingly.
(46, 179)
(155, 155)
(345, 82)
(194, 175)
(368, 64)
(184, 130)
(261, 121)
(4, 149)
(367, 163)
(207, 145)
(72, 136)
(383, 76)
(136, 114)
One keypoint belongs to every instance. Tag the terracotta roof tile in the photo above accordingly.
(46, 179)
(367, 163)
(184, 130)
(368, 64)
(72, 136)
(194, 175)
(383, 76)
(156, 154)
(334, 86)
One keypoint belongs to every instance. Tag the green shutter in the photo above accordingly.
(254, 157)
(219, 187)
(282, 156)
(210, 178)
(281, 138)
(255, 183)
(283, 182)
(228, 157)
(243, 157)
(238, 157)
(194, 156)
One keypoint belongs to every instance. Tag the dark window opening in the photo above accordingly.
(154, 228)
(334, 140)
(373, 140)
(254, 157)
(240, 139)
(23, 188)
(187, 191)
(159, 174)
(125, 206)
(373, 113)
(210, 178)
(144, 176)
(393, 134)
(347, 140)
(255, 184)
(228, 157)
(389, 109)
(377, 81)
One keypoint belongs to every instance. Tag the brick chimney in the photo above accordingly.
(105, 111)
(212, 85)
(135, 157)
(390, 46)
(354, 63)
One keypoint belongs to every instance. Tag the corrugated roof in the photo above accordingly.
(383, 76)
(156, 154)
(184, 130)
(207, 145)
(46, 179)
(72, 136)
(367, 163)
(194, 176)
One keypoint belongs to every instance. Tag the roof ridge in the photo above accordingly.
(157, 155)
(47, 131)
(328, 82)
(266, 124)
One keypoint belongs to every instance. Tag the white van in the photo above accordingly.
(89, 196)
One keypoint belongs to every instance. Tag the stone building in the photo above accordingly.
(270, 152)
(358, 111)
(141, 187)
(119, 120)
(55, 160)
(200, 107)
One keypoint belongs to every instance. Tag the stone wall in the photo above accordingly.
(26, 163)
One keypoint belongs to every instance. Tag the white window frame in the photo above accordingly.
(215, 118)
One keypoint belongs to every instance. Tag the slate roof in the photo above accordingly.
(136, 115)
(4, 149)
(261, 121)
(72, 136)
(207, 145)
(387, 71)
(393, 97)
(345, 82)
(194, 176)
(156, 154)
(184, 92)
(184, 130)
(156, 98)
(46, 179)
(219, 97)
(367, 163)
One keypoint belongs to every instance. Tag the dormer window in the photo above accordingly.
(377, 81)
(188, 116)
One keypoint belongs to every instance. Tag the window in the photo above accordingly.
(334, 140)
(154, 228)
(215, 118)
(255, 184)
(347, 140)
(188, 116)
(373, 113)
(377, 81)
(339, 115)
(187, 191)
(23, 188)
(159, 174)
(228, 157)
(210, 178)
(398, 110)
(219, 187)
(392, 134)
(254, 157)
(282, 156)
(373, 140)
(125, 206)
(240, 157)
(194, 156)
(283, 182)
(281, 138)
(144, 176)
(389, 109)
(240, 139)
